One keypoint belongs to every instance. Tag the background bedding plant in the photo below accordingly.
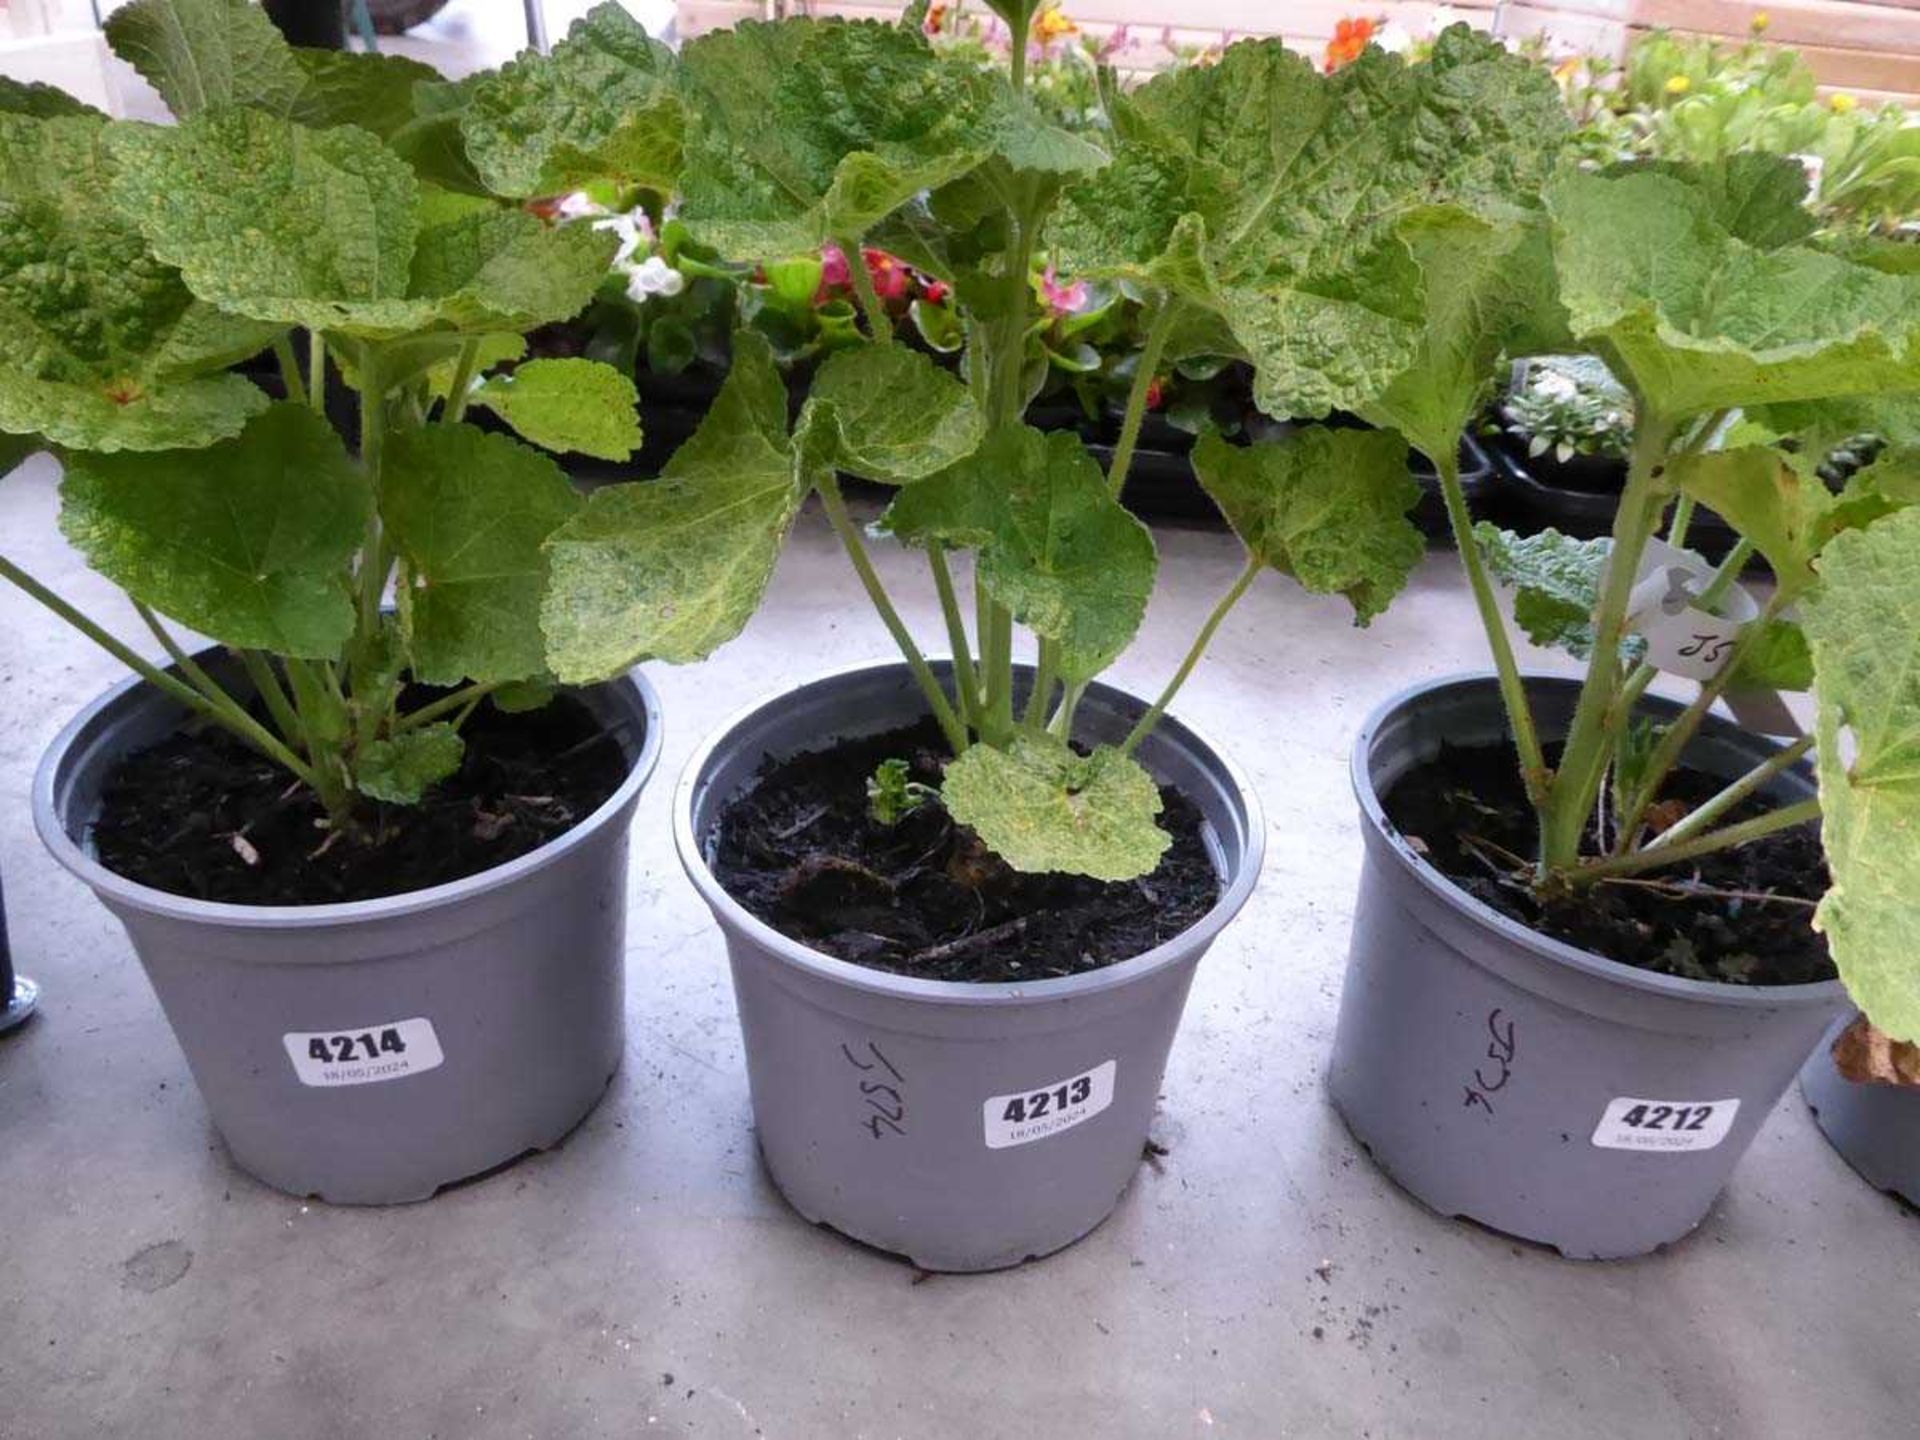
(1261, 212)
(333, 209)
(1749, 356)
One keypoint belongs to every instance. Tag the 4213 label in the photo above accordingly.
(1668, 1126)
(1028, 1115)
(384, 1051)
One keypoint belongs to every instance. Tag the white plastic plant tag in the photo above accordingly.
(1028, 1115)
(387, 1051)
(1682, 638)
(1666, 1126)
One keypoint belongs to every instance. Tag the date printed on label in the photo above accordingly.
(1664, 1126)
(1027, 1115)
(389, 1050)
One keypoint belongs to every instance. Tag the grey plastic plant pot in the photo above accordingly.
(881, 1101)
(1535, 1087)
(373, 1052)
(1876, 1128)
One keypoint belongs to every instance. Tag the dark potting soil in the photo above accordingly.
(202, 815)
(1704, 919)
(924, 897)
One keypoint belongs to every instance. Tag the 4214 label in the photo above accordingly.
(385, 1051)
(1667, 1126)
(1028, 1115)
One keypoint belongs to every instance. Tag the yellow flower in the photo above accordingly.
(1761, 20)
(1678, 84)
(1842, 103)
(1052, 24)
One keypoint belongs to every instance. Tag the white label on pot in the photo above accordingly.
(1664, 1125)
(390, 1050)
(1028, 1115)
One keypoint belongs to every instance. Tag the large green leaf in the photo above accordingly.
(1040, 806)
(1696, 319)
(206, 55)
(249, 541)
(579, 405)
(1555, 580)
(350, 87)
(1489, 290)
(673, 568)
(897, 416)
(807, 131)
(320, 228)
(102, 347)
(1055, 547)
(603, 106)
(1328, 507)
(1863, 623)
(1271, 194)
(1787, 516)
(469, 513)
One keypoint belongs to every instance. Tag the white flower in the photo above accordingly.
(1394, 38)
(633, 231)
(651, 277)
(1552, 385)
(578, 206)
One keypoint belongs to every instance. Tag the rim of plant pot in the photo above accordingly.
(1234, 893)
(61, 764)
(1716, 992)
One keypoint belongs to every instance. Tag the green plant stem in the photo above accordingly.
(317, 371)
(1682, 521)
(182, 661)
(453, 700)
(1044, 675)
(1017, 25)
(879, 323)
(965, 682)
(1725, 838)
(1513, 692)
(843, 524)
(260, 671)
(1149, 362)
(999, 704)
(1677, 736)
(373, 569)
(1710, 810)
(289, 367)
(1144, 726)
(230, 716)
(458, 391)
(1584, 759)
(1062, 722)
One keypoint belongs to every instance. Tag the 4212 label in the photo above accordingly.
(1665, 1126)
(384, 1051)
(1028, 1115)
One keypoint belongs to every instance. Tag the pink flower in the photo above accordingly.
(833, 266)
(1063, 299)
(890, 278)
(1117, 43)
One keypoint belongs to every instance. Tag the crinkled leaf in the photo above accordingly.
(1041, 807)
(899, 417)
(1863, 623)
(1785, 514)
(320, 228)
(674, 568)
(102, 347)
(248, 541)
(1555, 580)
(1489, 291)
(1055, 547)
(469, 513)
(1755, 197)
(577, 405)
(1696, 319)
(807, 131)
(401, 769)
(349, 87)
(1269, 193)
(206, 55)
(1027, 140)
(1328, 507)
(39, 101)
(602, 106)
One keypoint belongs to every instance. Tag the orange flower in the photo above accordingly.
(936, 19)
(1052, 24)
(1350, 39)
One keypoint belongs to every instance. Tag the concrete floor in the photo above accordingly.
(645, 1279)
